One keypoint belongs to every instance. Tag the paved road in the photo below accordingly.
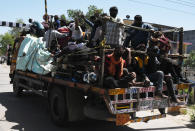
(30, 113)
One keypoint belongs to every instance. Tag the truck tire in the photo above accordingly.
(17, 90)
(75, 104)
(58, 107)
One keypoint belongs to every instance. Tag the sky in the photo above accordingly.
(177, 13)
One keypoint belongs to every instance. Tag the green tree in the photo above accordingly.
(92, 10)
(6, 39)
(190, 61)
(63, 17)
(73, 14)
(15, 32)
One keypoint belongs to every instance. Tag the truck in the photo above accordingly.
(70, 98)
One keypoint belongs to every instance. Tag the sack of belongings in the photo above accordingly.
(33, 56)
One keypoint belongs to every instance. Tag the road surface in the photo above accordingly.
(30, 113)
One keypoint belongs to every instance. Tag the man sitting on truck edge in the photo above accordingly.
(153, 51)
(115, 73)
(167, 65)
(146, 68)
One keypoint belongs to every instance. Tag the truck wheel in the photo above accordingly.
(58, 107)
(17, 90)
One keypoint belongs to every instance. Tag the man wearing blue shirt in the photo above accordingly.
(137, 37)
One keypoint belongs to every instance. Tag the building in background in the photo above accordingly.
(189, 37)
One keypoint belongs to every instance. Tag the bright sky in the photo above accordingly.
(178, 13)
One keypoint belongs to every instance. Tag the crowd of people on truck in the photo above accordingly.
(121, 68)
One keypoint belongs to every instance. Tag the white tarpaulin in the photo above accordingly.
(33, 56)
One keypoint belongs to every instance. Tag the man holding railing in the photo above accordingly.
(137, 37)
(114, 29)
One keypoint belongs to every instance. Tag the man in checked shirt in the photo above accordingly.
(114, 29)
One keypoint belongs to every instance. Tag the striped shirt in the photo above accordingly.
(114, 33)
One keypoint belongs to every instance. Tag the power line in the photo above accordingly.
(187, 2)
(163, 7)
(180, 3)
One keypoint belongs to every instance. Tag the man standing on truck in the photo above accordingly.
(137, 37)
(95, 25)
(45, 23)
(114, 29)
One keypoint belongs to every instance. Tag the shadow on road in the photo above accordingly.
(31, 113)
(192, 125)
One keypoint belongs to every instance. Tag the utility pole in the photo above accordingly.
(46, 10)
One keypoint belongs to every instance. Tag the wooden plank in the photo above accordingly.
(84, 87)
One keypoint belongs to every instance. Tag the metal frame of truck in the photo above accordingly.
(67, 98)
